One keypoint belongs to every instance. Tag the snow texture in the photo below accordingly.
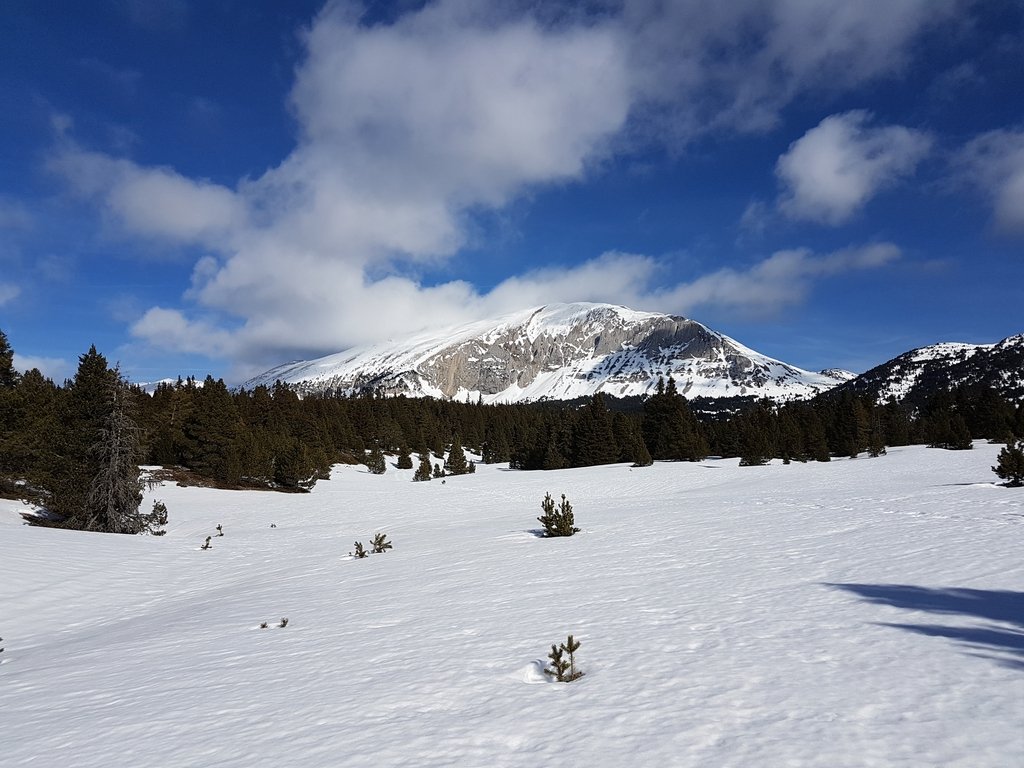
(865, 612)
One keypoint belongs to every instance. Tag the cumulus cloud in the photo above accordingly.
(832, 171)
(407, 128)
(994, 162)
(152, 201)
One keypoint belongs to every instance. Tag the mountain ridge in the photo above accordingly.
(558, 352)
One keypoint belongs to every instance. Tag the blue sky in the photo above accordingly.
(222, 186)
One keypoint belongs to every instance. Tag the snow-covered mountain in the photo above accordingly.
(558, 352)
(918, 374)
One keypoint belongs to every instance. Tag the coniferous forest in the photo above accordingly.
(74, 448)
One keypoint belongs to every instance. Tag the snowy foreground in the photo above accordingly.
(858, 613)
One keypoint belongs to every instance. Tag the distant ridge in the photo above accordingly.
(917, 375)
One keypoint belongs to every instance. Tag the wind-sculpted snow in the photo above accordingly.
(857, 613)
(558, 352)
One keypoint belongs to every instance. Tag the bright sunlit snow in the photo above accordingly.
(864, 612)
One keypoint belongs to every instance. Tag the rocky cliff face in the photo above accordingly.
(559, 352)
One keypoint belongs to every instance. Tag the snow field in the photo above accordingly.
(856, 613)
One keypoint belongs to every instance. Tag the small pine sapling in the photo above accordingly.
(557, 522)
(207, 545)
(220, 530)
(264, 625)
(563, 669)
(156, 520)
(284, 623)
(360, 553)
(380, 544)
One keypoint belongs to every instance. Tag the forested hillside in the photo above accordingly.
(74, 448)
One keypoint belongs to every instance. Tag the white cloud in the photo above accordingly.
(8, 292)
(782, 280)
(55, 368)
(994, 162)
(156, 202)
(706, 65)
(835, 168)
(406, 129)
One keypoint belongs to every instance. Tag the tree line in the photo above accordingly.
(74, 448)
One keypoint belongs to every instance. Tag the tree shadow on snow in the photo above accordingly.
(1004, 641)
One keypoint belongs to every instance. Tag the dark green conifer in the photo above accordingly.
(557, 522)
(423, 471)
(456, 462)
(404, 457)
(563, 669)
(1010, 464)
(375, 462)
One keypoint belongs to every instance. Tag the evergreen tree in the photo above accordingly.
(404, 457)
(86, 407)
(423, 471)
(1010, 464)
(375, 462)
(593, 438)
(8, 376)
(115, 491)
(456, 462)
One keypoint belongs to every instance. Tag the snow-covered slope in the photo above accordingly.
(558, 352)
(918, 374)
(856, 613)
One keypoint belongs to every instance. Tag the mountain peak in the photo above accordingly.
(557, 352)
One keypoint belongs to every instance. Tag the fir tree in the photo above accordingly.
(380, 544)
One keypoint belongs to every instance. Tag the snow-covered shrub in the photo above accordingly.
(557, 522)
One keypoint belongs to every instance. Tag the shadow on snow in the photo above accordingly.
(1004, 641)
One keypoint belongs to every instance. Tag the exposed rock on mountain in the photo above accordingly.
(558, 352)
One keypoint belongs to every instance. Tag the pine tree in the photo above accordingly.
(375, 462)
(115, 491)
(423, 471)
(1010, 464)
(562, 669)
(557, 522)
(8, 376)
(404, 457)
(456, 462)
